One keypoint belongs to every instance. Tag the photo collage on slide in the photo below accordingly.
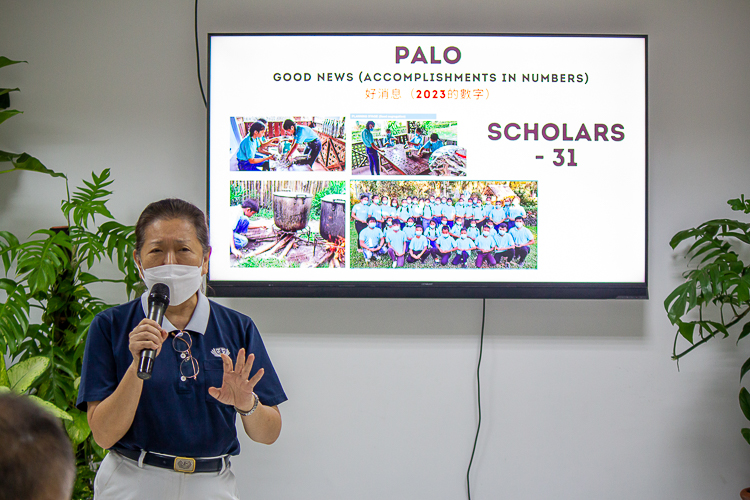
(356, 192)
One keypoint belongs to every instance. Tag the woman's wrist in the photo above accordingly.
(256, 403)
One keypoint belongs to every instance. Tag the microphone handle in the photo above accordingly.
(146, 363)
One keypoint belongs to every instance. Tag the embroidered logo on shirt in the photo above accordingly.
(218, 351)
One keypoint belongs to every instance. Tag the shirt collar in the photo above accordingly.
(198, 322)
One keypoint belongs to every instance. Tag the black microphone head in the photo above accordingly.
(159, 294)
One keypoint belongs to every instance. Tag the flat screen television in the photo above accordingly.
(428, 165)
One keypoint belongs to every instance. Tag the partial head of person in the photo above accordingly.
(502, 227)
(445, 229)
(370, 125)
(36, 457)
(519, 221)
(463, 233)
(410, 221)
(433, 137)
(365, 198)
(289, 125)
(387, 131)
(250, 207)
(371, 221)
(257, 129)
(171, 247)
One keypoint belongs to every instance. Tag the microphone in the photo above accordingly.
(158, 301)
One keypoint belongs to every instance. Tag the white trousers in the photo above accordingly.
(120, 478)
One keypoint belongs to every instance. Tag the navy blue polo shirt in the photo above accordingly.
(174, 416)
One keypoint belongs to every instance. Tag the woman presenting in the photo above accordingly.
(172, 436)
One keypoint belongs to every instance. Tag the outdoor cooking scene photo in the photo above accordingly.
(288, 224)
(287, 144)
(443, 224)
(394, 147)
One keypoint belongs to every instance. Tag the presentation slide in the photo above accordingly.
(427, 158)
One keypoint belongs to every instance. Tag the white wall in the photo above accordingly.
(580, 398)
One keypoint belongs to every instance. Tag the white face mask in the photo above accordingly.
(183, 281)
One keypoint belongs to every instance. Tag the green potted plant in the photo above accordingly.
(715, 293)
(51, 272)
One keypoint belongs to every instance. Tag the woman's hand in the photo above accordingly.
(147, 335)
(236, 389)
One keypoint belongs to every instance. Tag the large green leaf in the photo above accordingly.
(4, 61)
(4, 382)
(746, 434)
(59, 413)
(22, 375)
(25, 161)
(8, 249)
(8, 113)
(7, 91)
(78, 427)
(41, 260)
(14, 315)
(745, 331)
(745, 368)
(745, 402)
(86, 202)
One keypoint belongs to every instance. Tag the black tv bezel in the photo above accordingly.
(427, 290)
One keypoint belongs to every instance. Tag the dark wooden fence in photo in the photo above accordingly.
(263, 190)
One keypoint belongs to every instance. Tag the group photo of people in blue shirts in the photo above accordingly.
(443, 224)
(405, 147)
(266, 144)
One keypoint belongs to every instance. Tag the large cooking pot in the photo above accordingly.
(291, 210)
(332, 217)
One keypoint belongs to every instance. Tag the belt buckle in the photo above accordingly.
(184, 464)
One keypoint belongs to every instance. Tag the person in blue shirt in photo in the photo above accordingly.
(372, 149)
(417, 209)
(433, 145)
(431, 233)
(371, 240)
(240, 223)
(437, 209)
(464, 246)
(248, 157)
(504, 244)
(403, 212)
(360, 212)
(410, 229)
(473, 231)
(376, 210)
(389, 139)
(419, 247)
(523, 239)
(514, 211)
(445, 246)
(461, 208)
(485, 246)
(416, 141)
(396, 240)
(477, 211)
(457, 227)
(497, 214)
(449, 212)
(302, 135)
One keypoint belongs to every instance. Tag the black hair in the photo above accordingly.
(503, 225)
(433, 136)
(364, 195)
(36, 457)
(252, 204)
(168, 209)
(257, 127)
(288, 123)
(371, 219)
(519, 217)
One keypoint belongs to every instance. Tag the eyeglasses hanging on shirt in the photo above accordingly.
(182, 343)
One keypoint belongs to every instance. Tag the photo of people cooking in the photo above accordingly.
(444, 224)
(287, 144)
(287, 224)
(405, 147)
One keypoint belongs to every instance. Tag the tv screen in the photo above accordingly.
(414, 165)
